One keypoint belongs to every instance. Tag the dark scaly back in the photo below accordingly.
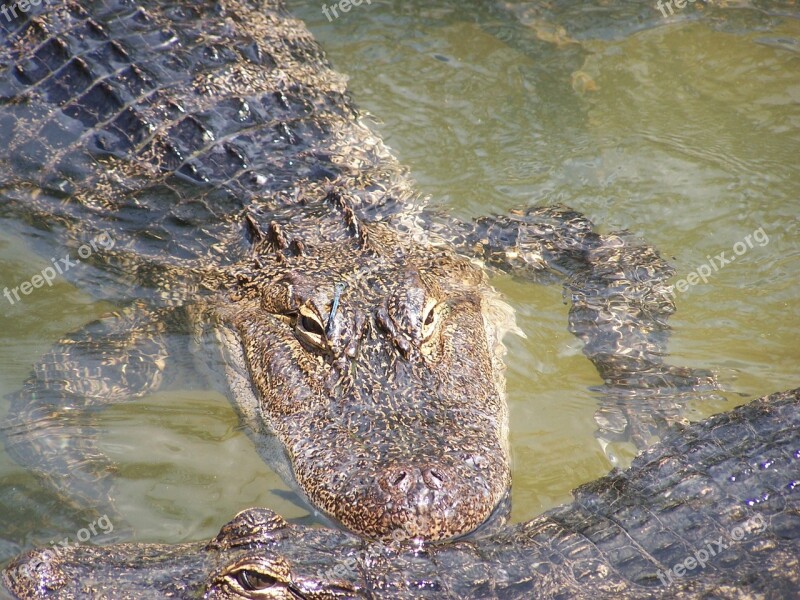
(165, 123)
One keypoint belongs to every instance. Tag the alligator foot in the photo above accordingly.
(620, 303)
(51, 427)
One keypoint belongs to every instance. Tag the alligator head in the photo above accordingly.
(256, 555)
(376, 360)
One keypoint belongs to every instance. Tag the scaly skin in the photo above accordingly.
(227, 165)
(722, 492)
(216, 148)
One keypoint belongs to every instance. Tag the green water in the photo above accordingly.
(685, 132)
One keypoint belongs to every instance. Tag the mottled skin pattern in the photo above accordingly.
(379, 386)
(731, 479)
(212, 142)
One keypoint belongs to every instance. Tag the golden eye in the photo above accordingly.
(309, 328)
(253, 581)
(429, 319)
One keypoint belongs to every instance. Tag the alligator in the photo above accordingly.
(208, 167)
(711, 511)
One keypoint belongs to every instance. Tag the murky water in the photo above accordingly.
(685, 131)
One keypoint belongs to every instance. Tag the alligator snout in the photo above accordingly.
(427, 500)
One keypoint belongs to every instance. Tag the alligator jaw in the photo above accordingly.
(256, 555)
(179, 571)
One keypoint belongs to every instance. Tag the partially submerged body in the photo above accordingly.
(216, 148)
(711, 511)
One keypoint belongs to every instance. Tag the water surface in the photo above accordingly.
(685, 131)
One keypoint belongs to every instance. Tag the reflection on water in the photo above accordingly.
(683, 130)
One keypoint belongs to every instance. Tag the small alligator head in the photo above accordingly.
(376, 360)
(257, 555)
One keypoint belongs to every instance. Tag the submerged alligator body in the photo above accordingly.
(251, 210)
(712, 511)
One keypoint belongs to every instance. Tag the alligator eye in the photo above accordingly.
(252, 581)
(309, 328)
(429, 320)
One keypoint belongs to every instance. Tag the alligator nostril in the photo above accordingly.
(433, 479)
(37, 570)
(399, 478)
(404, 480)
(396, 480)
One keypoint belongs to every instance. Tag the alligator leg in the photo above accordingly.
(51, 424)
(620, 303)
